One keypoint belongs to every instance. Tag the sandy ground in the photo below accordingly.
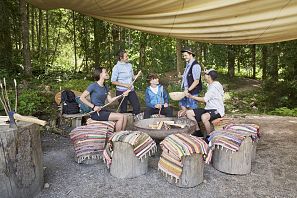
(274, 173)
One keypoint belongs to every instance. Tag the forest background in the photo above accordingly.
(46, 51)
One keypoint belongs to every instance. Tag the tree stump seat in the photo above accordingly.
(21, 169)
(126, 154)
(234, 162)
(192, 173)
(182, 159)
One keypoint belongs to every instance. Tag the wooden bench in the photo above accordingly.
(76, 119)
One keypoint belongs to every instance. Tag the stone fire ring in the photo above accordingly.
(143, 126)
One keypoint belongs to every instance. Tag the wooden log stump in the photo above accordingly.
(21, 169)
(254, 151)
(234, 162)
(192, 173)
(124, 162)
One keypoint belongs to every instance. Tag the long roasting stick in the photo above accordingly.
(6, 95)
(106, 104)
(131, 85)
(16, 95)
(3, 100)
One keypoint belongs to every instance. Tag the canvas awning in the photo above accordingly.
(214, 21)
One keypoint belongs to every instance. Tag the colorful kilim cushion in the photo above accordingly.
(89, 141)
(175, 147)
(252, 130)
(228, 139)
(142, 144)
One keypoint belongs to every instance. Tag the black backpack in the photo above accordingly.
(69, 105)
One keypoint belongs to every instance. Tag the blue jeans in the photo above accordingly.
(189, 102)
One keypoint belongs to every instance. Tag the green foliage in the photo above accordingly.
(284, 111)
(279, 94)
(34, 102)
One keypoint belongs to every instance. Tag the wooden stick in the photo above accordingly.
(6, 95)
(16, 95)
(106, 104)
(4, 106)
(3, 98)
(130, 85)
(29, 119)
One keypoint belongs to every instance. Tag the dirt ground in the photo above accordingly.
(274, 173)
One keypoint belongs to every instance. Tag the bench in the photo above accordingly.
(76, 119)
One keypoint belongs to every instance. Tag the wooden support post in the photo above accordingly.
(234, 162)
(192, 173)
(21, 169)
(124, 162)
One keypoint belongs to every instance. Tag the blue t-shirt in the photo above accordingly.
(98, 94)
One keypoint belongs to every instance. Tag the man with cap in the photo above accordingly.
(214, 99)
(191, 81)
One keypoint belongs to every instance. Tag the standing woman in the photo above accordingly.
(98, 92)
(122, 76)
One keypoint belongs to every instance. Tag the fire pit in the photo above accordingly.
(150, 126)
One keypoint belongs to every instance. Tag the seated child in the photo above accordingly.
(156, 99)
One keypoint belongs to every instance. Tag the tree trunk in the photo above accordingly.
(264, 62)
(25, 39)
(5, 37)
(231, 61)
(40, 31)
(178, 48)
(254, 61)
(74, 40)
(32, 28)
(274, 62)
(142, 48)
(96, 42)
(47, 37)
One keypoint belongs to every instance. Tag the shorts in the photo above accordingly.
(189, 103)
(102, 115)
(214, 114)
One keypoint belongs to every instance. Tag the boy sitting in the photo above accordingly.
(156, 99)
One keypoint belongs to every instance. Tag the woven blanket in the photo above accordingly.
(228, 139)
(175, 147)
(89, 141)
(251, 130)
(143, 145)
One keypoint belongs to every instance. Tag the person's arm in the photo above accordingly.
(148, 99)
(196, 72)
(84, 99)
(112, 99)
(165, 97)
(114, 78)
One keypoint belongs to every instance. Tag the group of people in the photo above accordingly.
(156, 96)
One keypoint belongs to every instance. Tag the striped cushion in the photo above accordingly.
(89, 141)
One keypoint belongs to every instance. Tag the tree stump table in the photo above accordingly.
(192, 173)
(124, 162)
(21, 169)
(234, 162)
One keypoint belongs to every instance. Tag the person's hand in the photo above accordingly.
(138, 74)
(97, 108)
(186, 91)
(129, 86)
(181, 113)
(126, 92)
(158, 106)
(165, 105)
(179, 75)
(188, 95)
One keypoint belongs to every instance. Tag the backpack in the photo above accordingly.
(69, 105)
(83, 108)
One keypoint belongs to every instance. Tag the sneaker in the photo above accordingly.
(198, 133)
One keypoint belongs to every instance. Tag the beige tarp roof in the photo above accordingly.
(214, 21)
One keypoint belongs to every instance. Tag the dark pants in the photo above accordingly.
(214, 114)
(133, 99)
(167, 111)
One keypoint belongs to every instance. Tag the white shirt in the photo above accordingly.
(154, 90)
(214, 97)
